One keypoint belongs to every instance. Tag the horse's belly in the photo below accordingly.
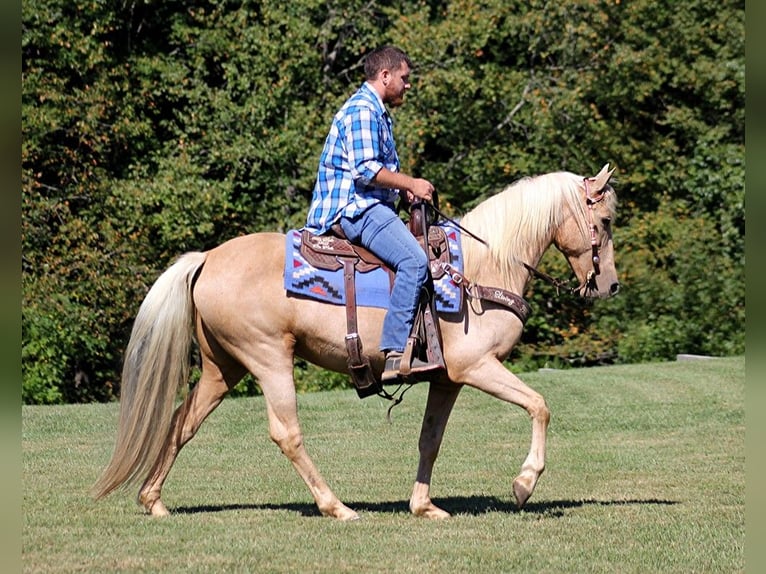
(321, 330)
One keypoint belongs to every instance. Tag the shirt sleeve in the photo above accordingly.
(363, 145)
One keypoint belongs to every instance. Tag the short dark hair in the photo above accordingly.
(385, 57)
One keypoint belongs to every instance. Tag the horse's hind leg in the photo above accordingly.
(441, 399)
(284, 429)
(201, 401)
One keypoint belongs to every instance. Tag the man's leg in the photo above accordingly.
(381, 231)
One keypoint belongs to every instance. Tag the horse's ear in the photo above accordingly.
(602, 177)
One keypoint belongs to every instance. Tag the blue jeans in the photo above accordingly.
(380, 230)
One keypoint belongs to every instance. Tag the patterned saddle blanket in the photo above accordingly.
(373, 286)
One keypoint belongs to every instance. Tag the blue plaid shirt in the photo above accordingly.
(359, 145)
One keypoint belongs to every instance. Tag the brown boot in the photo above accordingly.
(393, 368)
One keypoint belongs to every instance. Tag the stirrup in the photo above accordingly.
(392, 367)
(395, 369)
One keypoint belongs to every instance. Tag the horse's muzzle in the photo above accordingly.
(591, 289)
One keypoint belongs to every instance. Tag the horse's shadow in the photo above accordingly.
(456, 505)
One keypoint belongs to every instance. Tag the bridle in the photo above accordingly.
(590, 200)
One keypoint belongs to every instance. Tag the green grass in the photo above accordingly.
(646, 473)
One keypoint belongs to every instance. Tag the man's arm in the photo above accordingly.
(413, 186)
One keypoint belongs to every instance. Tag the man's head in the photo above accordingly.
(388, 69)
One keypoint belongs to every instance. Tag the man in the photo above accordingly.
(357, 184)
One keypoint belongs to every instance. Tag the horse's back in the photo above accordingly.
(241, 300)
(243, 263)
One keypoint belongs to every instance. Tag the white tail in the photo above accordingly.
(156, 365)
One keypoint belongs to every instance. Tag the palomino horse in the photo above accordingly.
(232, 298)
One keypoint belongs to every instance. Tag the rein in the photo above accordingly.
(456, 224)
(557, 283)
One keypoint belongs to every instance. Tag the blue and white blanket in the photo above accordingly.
(372, 288)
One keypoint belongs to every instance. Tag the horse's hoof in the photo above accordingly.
(159, 509)
(521, 493)
(154, 507)
(431, 511)
(341, 512)
(436, 513)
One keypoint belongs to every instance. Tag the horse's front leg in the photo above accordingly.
(493, 378)
(441, 399)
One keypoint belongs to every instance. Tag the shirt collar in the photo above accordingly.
(376, 97)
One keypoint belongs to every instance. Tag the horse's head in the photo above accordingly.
(586, 238)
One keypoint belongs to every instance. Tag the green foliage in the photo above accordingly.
(153, 128)
(682, 291)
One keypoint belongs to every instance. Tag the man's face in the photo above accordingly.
(396, 82)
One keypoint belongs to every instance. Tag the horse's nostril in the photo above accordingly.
(615, 288)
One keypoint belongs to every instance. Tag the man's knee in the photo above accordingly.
(417, 262)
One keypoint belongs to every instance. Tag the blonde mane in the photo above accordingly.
(519, 220)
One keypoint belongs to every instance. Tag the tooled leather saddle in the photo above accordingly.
(333, 251)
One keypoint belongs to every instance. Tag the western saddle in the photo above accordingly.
(333, 251)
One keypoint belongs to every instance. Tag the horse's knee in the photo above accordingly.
(539, 411)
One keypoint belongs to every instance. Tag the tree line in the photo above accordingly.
(153, 128)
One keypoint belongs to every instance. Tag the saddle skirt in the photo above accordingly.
(372, 285)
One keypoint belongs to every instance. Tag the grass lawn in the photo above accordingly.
(646, 473)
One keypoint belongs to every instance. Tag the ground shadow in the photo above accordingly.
(456, 505)
(476, 505)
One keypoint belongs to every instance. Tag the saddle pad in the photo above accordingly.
(372, 288)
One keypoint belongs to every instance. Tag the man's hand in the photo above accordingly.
(421, 188)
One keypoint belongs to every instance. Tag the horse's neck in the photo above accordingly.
(517, 240)
(484, 269)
